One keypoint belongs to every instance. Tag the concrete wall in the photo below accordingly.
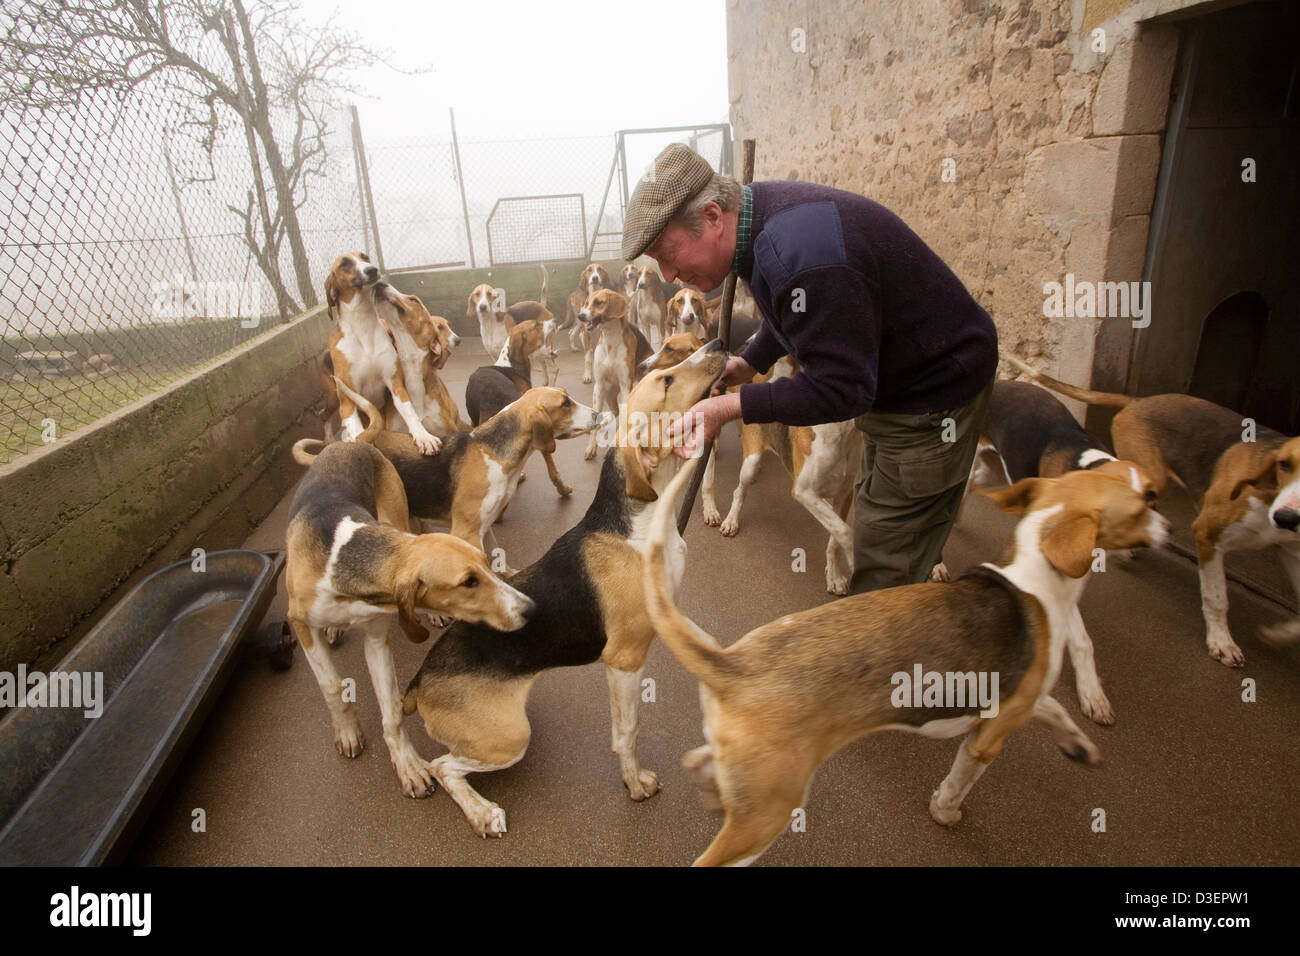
(197, 464)
(1056, 146)
(446, 292)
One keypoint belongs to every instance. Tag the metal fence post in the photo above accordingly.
(180, 210)
(365, 180)
(460, 180)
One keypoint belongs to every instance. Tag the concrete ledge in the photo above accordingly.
(196, 464)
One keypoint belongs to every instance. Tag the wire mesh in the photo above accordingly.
(537, 229)
(123, 262)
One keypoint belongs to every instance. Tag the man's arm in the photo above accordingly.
(763, 352)
(837, 339)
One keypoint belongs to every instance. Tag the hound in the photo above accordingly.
(351, 560)
(495, 320)
(1243, 480)
(594, 278)
(619, 349)
(1030, 434)
(787, 695)
(472, 480)
(690, 311)
(492, 387)
(472, 689)
(648, 305)
(362, 352)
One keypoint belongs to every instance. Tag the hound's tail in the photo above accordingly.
(376, 420)
(698, 652)
(1086, 395)
(305, 450)
(542, 298)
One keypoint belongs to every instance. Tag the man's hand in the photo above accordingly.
(703, 421)
(738, 372)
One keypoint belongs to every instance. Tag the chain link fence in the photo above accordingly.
(124, 257)
(127, 239)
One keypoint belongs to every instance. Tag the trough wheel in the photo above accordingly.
(279, 645)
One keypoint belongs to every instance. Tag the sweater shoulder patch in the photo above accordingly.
(798, 238)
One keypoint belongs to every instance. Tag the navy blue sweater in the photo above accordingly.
(877, 320)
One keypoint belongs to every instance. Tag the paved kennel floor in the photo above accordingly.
(1192, 774)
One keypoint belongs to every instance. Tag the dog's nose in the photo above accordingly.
(455, 340)
(1288, 519)
(372, 272)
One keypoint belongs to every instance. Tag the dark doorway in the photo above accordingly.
(1225, 312)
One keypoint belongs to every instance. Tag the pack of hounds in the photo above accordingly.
(786, 696)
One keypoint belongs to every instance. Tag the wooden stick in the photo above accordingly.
(724, 333)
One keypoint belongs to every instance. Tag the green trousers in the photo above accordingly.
(909, 489)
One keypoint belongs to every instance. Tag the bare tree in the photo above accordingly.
(267, 71)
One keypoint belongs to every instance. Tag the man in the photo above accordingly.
(885, 332)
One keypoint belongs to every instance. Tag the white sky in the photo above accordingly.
(517, 68)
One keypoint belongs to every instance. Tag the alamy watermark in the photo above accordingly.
(946, 689)
(77, 689)
(1098, 300)
(182, 298)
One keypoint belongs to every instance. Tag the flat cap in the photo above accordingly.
(679, 174)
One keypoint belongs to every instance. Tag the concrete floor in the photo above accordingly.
(1192, 774)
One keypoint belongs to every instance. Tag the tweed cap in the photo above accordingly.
(679, 175)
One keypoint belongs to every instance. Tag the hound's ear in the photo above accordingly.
(543, 432)
(515, 349)
(1069, 545)
(469, 306)
(638, 478)
(404, 594)
(620, 304)
(1265, 479)
(332, 294)
(1015, 499)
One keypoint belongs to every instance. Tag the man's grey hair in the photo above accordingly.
(722, 190)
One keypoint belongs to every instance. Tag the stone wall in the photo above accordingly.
(1052, 148)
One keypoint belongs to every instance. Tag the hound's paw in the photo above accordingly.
(643, 786)
(730, 527)
(586, 378)
(487, 819)
(712, 517)
(1281, 634)
(1227, 652)
(348, 739)
(940, 573)
(1096, 706)
(1081, 750)
(941, 815)
(428, 444)
(562, 489)
(417, 780)
(590, 453)
(332, 635)
(836, 583)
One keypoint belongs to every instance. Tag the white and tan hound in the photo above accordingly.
(351, 561)
(787, 695)
(619, 348)
(1243, 479)
(362, 351)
